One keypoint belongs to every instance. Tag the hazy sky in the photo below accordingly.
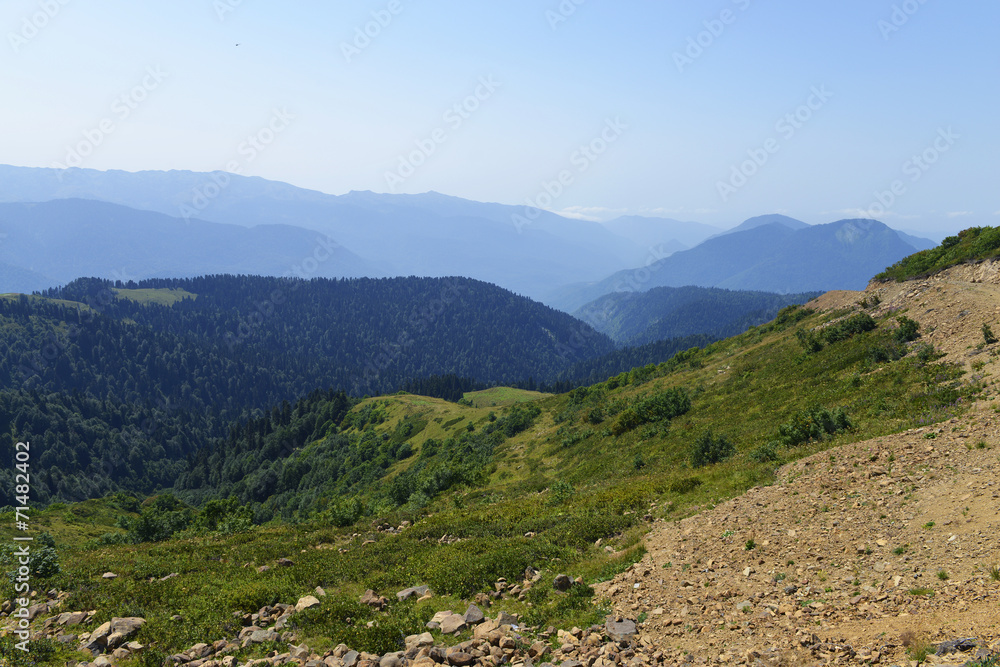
(710, 111)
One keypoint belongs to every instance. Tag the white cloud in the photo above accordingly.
(958, 214)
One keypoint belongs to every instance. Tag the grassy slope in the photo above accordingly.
(975, 243)
(163, 297)
(551, 492)
(501, 396)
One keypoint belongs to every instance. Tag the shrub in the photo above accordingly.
(684, 485)
(560, 492)
(988, 336)
(907, 330)
(766, 453)
(663, 406)
(709, 449)
(814, 423)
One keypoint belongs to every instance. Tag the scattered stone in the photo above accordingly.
(452, 623)
(562, 582)
(109, 575)
(473, 615)
(957, 646)
(413, 591)
(619, 629)
(306, 602)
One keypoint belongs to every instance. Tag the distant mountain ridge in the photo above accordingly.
(562, 262)
(639, 318)
(770, 257)
(52, 243)
(428, 234)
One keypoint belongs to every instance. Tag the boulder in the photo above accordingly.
(473, 615)
(452, 624)
(562, 582)
(306, 602)
(413, 591)
(619, 629)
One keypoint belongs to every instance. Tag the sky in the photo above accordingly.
(710, 111)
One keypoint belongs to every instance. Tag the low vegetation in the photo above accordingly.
(975, 243)
(398, 490)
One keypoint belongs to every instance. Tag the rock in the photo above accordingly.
(957, 646)
(127, 626)
(619, 629)
(460, 659)
(538, 650)
(350, 658)
(744, 605)
(36, 609)
(109, 575)
(452, 624)
(299, 652)
(503, 618)
(306, 602)
(390, 660)
(413, 591)
(441, 615)
(473, 615)
(100, 635)
(320, 592)
(263, 568)
(562, 582)
(71, 618)
(284, 562)
(374, 601)
(261, 636)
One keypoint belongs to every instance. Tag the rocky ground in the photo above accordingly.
(861, 554)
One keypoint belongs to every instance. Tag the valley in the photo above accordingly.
(847, 461)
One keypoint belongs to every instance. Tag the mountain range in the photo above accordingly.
(776, 256)
(125, 225)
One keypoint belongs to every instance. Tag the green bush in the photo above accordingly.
(709, 449)
(814, 423)
(662, 406)
(766, 453)
(907, 331)
(684, 485)
(988, 336)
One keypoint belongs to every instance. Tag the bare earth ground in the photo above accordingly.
(856, 550)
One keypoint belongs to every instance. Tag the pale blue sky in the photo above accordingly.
(682, 128)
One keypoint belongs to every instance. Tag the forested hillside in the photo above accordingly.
(638, 318)
(120, 385)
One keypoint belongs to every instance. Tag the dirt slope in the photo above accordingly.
(857, 550)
